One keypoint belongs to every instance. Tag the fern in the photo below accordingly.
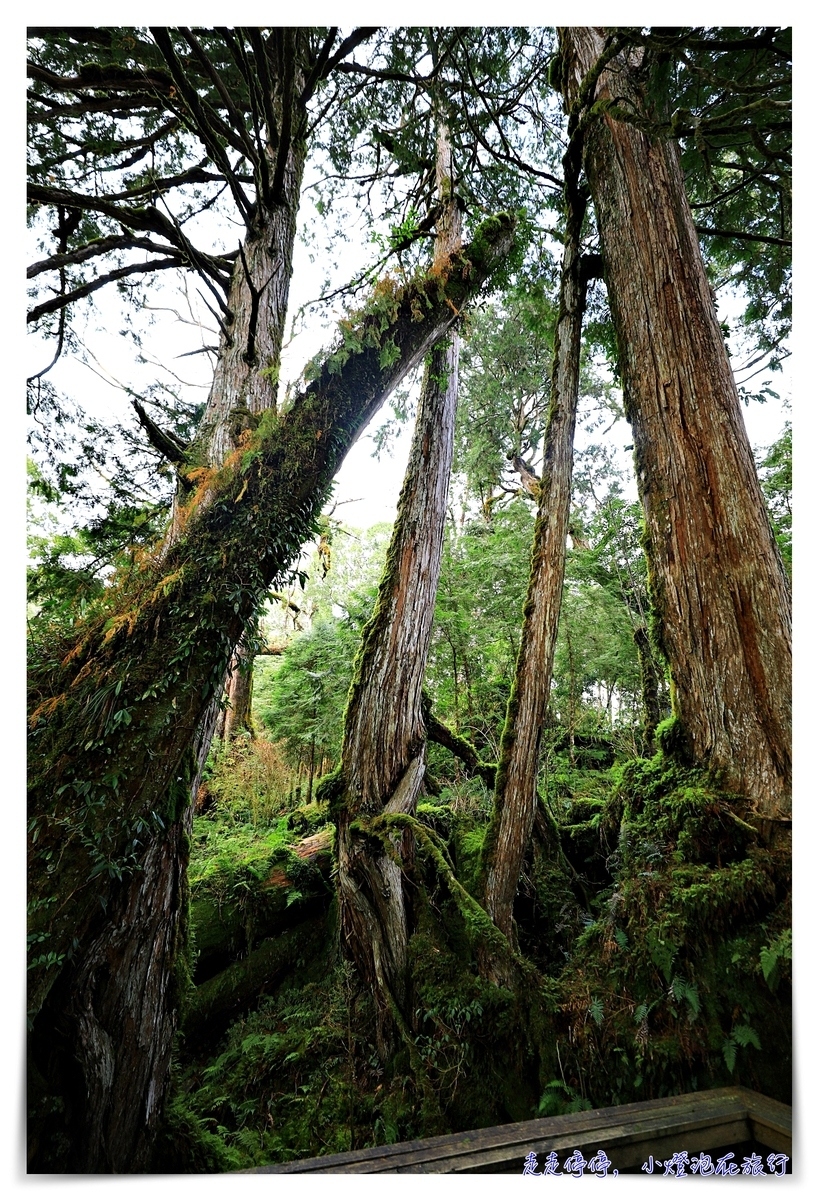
(680, 989)
(596, 1011)
(728, 1049)
(773, 955)
(745, 1036)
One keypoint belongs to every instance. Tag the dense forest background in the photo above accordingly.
(341, 836)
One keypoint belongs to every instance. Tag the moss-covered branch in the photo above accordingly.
(242, 982)
(460, 747)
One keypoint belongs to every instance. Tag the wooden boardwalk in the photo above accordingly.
(629, 1134)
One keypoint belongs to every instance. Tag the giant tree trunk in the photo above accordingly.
(515, 790)
(718, 587)
(383, 754)
(114, 712)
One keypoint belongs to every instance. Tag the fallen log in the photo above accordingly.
(229, 928)
(240, 986)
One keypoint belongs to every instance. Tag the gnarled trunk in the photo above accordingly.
(717, 584)
(383, 755)
(114, 714)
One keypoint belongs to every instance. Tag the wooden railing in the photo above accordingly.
(629, 1135)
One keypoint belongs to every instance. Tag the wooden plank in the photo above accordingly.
(626, 1145)
(671, 1109)
(609, 1134)
(697, 1121)
(770, 1121)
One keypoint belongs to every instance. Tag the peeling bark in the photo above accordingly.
(515, 790)
(383, 755)
(717, 584)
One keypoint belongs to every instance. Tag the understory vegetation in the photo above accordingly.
(655, 949)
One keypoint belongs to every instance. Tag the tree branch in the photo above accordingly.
(459, 746)
(287, 104)
(235, 116)
(347, 46)
(203, 117)
(63, 300)
(166, 443)
(318, 67)
(706, 231)
(93, 250)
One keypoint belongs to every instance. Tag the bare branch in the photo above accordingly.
(64, 299)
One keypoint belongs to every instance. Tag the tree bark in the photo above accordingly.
(383, 758)
(649, 685)
(114, 713)
(239, 694)
(383, 754)
(718, 587)
(245, 380)
(515, 789)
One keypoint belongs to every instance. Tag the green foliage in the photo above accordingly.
(247, 779)
(232, 855)
(484, 573)
(504, 391)
(300, 1076)
(303, 705)
(559, 1098)
(672, 968)
(774, 957)
(775, 473)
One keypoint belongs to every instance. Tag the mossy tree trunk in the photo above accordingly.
(115, 708)
(718, 587)
(383, 754)
(649, 686)
(515, 789)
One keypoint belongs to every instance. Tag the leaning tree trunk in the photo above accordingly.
(718, 588)
(515, 789)
(114, 712)
(383, 754)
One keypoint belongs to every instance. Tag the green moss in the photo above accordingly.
(329, 791)
(672, 966)
(673, 740)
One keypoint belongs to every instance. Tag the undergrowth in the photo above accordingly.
(682, 979)
(656, 953)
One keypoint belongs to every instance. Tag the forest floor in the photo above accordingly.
(654, 958)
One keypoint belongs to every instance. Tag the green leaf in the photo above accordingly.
(728, 1049)
(745, 1035)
